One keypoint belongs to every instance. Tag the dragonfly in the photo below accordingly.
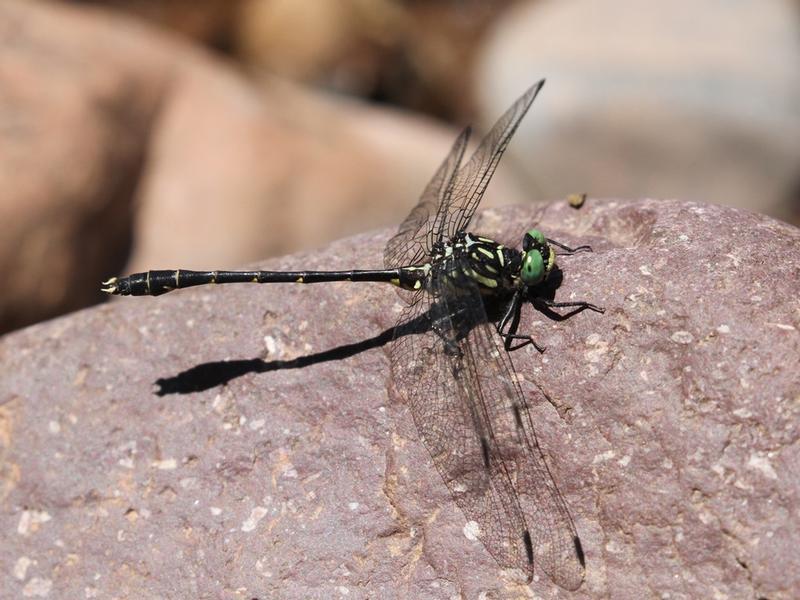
(455, 373)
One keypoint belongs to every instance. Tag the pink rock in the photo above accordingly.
(669, 424)
(125, 144)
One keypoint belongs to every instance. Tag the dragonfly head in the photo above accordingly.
(538, 258)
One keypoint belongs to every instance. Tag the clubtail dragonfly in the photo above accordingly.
(455, 373)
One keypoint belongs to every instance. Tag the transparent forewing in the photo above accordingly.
(472, 179)
(429, 381)
(452, 196)
(472, 418)
(515, 455)
(412, 243)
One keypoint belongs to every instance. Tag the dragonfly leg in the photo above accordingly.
(547, 305)
(509, 324)
(569, 251)
(510, 347)
(449, 333)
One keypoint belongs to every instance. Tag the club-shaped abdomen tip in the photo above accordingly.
(117, 286)
(110, 286)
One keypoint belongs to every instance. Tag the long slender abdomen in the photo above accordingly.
(155, 283)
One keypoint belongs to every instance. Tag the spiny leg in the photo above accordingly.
(509, 323)
(569, 251)
(546, 306)
(511, 319)
(450, 331)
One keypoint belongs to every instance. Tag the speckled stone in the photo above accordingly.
(671, 424)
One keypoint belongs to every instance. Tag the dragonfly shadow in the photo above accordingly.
(215, 373)
(212, 374)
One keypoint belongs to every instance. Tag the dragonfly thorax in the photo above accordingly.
(494, 267)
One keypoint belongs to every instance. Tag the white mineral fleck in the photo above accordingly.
(258, 513)
(472, 531)
(21, 567)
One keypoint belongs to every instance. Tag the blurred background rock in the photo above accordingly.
(141, 134)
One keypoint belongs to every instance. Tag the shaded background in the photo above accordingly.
(210, 133)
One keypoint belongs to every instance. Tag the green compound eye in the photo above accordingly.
(532, 238)
(532, 268)
(537, 235)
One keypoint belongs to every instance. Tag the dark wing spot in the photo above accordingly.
(517, 417)
(579, 551)
(526, 537)
(485, 449)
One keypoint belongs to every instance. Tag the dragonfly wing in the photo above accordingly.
(412, 243)
(424, 376)
(474, 422)
(451, 197)
(516, 463)
(474, 176)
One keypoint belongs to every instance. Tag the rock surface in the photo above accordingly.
(672, 428)
(121, 142)
(416, 54)
(207, 20)
(77, 105)
(698, 100)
